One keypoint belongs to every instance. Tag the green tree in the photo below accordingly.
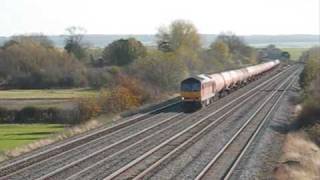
(221, 49)
(239, 51)
(123, 52)
(74, 42)
(312, 66)
(179, 33)
(163, 70)
(234, 42)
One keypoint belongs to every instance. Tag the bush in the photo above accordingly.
(28, 115)
(88, 108)
(42, 115)
(6, 116)
(120, 99)
(310, 113)
(99, 77)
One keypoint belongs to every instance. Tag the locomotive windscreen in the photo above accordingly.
(190, 85)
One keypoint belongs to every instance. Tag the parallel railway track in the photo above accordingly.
(234, 149)
(71, 143)
(166, 151)
(168, 132)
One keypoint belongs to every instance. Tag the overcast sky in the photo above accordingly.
(243, 17)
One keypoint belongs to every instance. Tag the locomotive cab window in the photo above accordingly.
(190, 85)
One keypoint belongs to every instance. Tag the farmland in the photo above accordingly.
(15, 135)
(47, 93)
(295, 53)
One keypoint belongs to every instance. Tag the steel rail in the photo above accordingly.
(21, 164)
(182, 146)
(219, 154)
(252, 138)
(132, 163)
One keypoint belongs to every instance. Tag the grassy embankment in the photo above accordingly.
(301, 149)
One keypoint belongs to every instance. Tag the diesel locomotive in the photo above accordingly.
(200, 90)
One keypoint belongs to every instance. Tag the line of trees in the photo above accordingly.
(34, 62)
(310, 82)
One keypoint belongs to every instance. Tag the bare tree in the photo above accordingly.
(74, 43)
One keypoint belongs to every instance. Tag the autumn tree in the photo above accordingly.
(41, 39)
(181, 38)
(163, 70)
(124, 51)
(238, 49)
(220, 49)
(74, 43)
(27, 63)
(234, 42)
(312, 66)
(179, 33)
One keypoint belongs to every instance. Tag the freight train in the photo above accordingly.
(200, 90)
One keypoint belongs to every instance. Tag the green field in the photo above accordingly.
(15, 135)
(47, 93)
(295, 53)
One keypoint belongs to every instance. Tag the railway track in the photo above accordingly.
(147, 164)
(43, 154)
(38, 168)
(98, 151)
(96, 165)
(223, 164)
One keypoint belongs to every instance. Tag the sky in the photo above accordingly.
(243, 17)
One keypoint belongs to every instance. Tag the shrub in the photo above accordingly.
(28, 115)
(120, 99)
(6, 115)
(99, 77)
(87, 108)
(310, 113)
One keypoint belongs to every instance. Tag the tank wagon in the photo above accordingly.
(201, 90)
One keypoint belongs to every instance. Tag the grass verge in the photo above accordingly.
(15, 135)
(47, 93)
(300, 157)
(18, 139)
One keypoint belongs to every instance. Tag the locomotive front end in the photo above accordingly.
(191, 93)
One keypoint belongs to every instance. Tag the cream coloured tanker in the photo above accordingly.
(200, 90)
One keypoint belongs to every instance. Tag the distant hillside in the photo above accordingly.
(281, 41)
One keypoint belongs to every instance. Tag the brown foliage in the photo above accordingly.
(121, 98)
(127, 94)
(88, 108)
(29, 64)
